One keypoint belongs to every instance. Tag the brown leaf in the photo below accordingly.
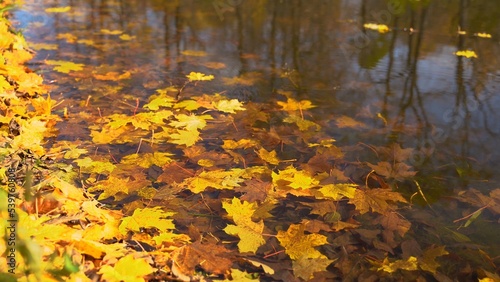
(376, 200)
(212, 258)
(254, 190)
(399, 171)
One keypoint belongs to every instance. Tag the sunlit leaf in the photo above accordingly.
(65, 66)
(338, 191)
(297, 179)
(466, 53)
(249, 232)
(376, 200)
(269, 157)
(147, 218)
(58, 9)
(127, 269)
(299, 245)
(190, 122)
(111, 187)
(399, 170)
(111, 32)
(87, 165)
(198, 76)
(409, 264)
(194, 53)
(382, 28)
(185, 137)
(229, 106)
(148, 159)
(293, 105)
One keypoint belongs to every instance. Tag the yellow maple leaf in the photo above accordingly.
(228, 106)
(58, 9)
(190, 122)
(111, 32)
(185, 137)
(303, 124)
(338, 191)
(249, 232)
(148, 159)
(298, 245)
(160, 101)
(87, 165)
(113, 76)
(293, 105)
(218, 179)
(198, 76)
(376, 200)
(240, 144)
(147, 217)
(65, 66)
(269, 157)
(297, 179)
(128, 269)
(194, 53)
(483, 35)
(306, 267)
(382, 28)
(466, 53)
(111, 187)
(408, 264)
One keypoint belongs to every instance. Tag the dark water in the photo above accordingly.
(405, 86)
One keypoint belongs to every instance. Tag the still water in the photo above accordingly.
(406, 86)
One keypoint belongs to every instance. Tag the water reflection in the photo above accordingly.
(406, 85)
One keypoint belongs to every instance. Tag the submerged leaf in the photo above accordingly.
(298, 245)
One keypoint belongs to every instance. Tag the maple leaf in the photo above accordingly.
(73, 152)
(58, 9)
(111, 187)
(398, 171)
(191, 122)
(147, 218)
(409, 264)
(65, 66)
(111, 32)
(185, 137)
(113, 76)
(194, 53)
(298, 245)
(161, 101)
(87, 165)
(345, 121)
(303, 124)
(305, 267)
(218, 179)
(212, 258)
(338, 191)
(269, 157)
(249, 232)
(240, 144)
(466, 53)
(293, 105)
(228, 106)
(376, 200)
(128, 268)
(394, 222)
(148, 159)
(428, 260)
(382, 28)
(294, 178)
(198, 76)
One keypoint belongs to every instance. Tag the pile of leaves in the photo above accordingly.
(205, 187)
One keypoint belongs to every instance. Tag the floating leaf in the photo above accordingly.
(409, 264)
(338, 191)
(466, 53)
(269, 157)
(298, 245)
(65, 66)
(147, 218)
(198, 76)
(249, 232)
(229, 106)
(194, 53)
(293, 105)
(306, 267)
(58, 9)
(127, 268)
(382, 28)
(376, 200)
(483, 35)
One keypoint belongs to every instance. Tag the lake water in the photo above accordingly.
(405, 86)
